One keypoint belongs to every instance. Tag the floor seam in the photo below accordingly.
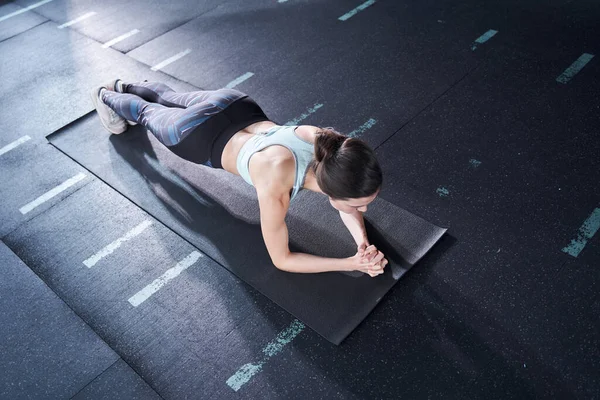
(428, 106)
(25, 31)
(26, 221)
(120, 356)
(96, 377)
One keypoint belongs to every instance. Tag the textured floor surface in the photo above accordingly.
(485, 117)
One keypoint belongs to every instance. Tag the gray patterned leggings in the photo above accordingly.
(194, 125)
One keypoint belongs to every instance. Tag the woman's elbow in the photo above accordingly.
(281, 263)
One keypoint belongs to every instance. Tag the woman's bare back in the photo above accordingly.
(262, 161)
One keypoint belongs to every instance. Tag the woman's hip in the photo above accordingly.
(206, 141)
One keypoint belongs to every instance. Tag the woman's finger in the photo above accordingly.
(377, 258)
(372, 261)
(370, 253)
(371, 249)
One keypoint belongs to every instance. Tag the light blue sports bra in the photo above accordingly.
(283, 136)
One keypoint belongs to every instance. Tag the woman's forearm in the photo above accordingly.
(356, 226)
(308, 263)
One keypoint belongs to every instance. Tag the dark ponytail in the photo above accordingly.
(346, 168)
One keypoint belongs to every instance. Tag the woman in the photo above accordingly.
(226, 129)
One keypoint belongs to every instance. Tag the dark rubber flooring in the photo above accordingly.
(217, 213)
(476, 136)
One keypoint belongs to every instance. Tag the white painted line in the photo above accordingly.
(50, 194)
(247, 371)
(78, 19)
(483, 38)
(304, 115)
(109, 249)
(14, 144)
(170, 60)
(170, 274)
(362, 129)
(356, 10)
(120, 38)
(31, 7)
(239, 80)
(585, 234)
(575, 68)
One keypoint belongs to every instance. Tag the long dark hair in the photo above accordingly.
(345, 167)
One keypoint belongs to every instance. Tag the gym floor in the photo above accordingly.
(485, 117)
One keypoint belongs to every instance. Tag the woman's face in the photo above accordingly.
(350, 206)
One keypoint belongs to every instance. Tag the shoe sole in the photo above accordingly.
(95, 100)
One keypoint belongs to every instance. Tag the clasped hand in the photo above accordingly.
(369, 260)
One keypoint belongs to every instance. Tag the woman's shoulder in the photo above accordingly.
(275, 172)
(307, 133)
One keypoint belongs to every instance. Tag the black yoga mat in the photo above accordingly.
(218, 213)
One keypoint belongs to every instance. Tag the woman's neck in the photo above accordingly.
(310, 182)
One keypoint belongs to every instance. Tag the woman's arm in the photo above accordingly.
(356, 225)
(273, 208)
(307, 263)
(274, 201)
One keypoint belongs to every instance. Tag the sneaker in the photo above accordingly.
(112, 121)
(117, 86)
(111, 85)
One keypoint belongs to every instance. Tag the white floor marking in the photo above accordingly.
(14, 144)
(305, 115)
(170, 274)
(170, 60)
(247, 371)
(575, 68)
(483, 38)
(363, 128)
(120, 38)
(109, 249)
(585, 234)
(239, 80)
(50, 194)
(78, 19)
(356, 10)
(31, 7)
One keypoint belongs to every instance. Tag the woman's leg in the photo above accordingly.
(157, 92)
(162, 122)
(188, 132)
(194, 133)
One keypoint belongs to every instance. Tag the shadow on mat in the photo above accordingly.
(187, 204)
